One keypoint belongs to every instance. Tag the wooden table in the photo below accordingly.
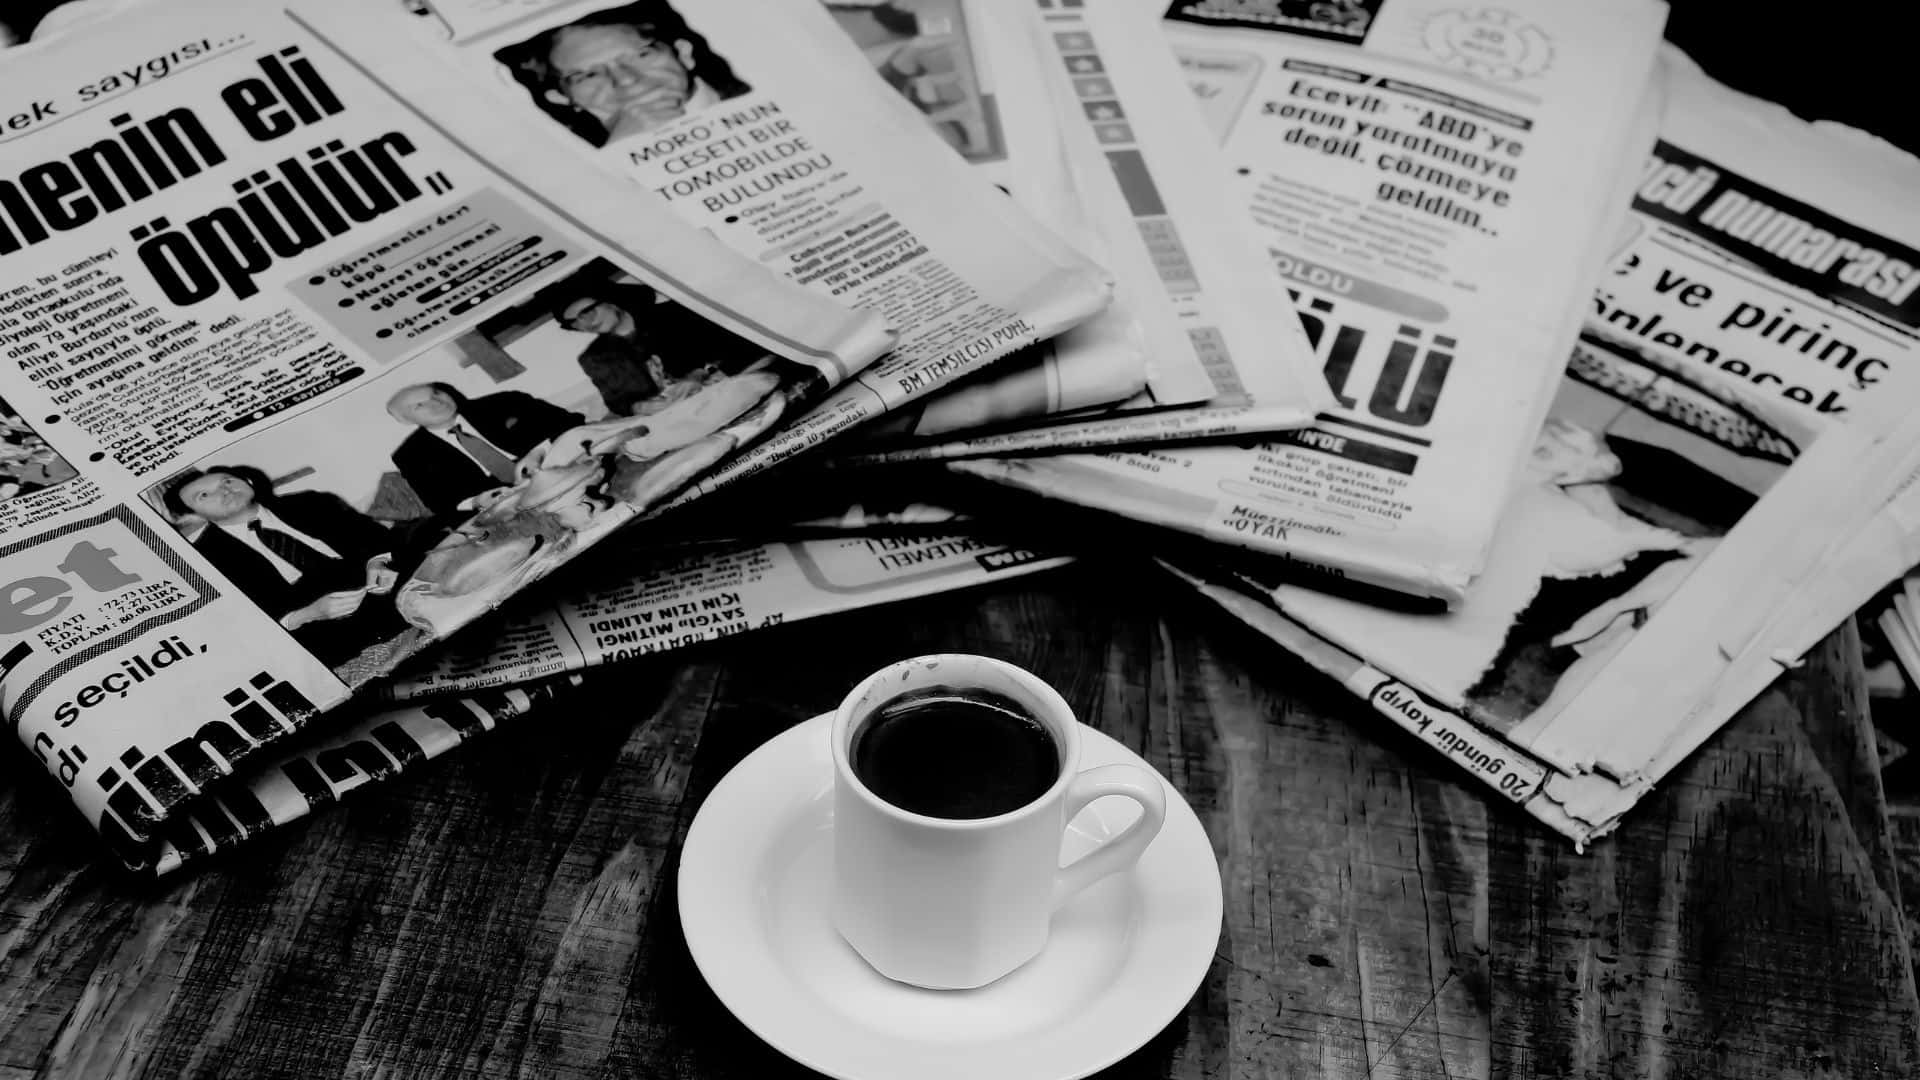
(510, 911)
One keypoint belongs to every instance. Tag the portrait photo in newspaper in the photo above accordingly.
(510, 447)
(621, 72)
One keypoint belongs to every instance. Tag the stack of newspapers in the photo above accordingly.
(1494, 361)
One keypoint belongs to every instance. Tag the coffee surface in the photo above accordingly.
(951, 752)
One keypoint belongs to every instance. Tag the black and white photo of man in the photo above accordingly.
(621, 72)
(308, 559)
(460, 447)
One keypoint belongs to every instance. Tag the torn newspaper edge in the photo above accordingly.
(1801, 295)
(1505, 769)
(1728, 473)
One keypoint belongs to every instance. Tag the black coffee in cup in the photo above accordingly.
(954, 752)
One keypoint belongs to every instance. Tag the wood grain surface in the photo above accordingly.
(510, 911)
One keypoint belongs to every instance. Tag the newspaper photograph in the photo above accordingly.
(636, 600)
(482, 483)
(308, 369)
(769, 127)
(1225, 359)
(28, 463)
(1726, 474)
(1435, 185)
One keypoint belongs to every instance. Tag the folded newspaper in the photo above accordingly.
(635, 595)
(959, 90)
(623, 601)
(1436, 185)
(1120, 151)
(766, 125)
(637, 602)
(368, 357)
(361, 744)
(1728, 473)
(950, 63)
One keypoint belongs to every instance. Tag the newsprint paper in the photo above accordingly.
(1435, 183)
(1726, 474)
(765, 124)
(636, 600)
(627, 599)
(313, 358)
(360, 744)
(1148, 188)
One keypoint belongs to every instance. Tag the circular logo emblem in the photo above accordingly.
(1491, 43)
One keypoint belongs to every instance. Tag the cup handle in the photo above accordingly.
(1122, 851)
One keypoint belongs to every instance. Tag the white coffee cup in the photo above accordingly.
(952, 903)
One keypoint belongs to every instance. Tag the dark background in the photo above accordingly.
(1815, 60)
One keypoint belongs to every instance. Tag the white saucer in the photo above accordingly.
(1122, 961)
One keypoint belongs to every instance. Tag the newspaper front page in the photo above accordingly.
(634, 601)
(290, 388)
(1227, 359)
(1435, 185)
(764, 124)
(1727, 473)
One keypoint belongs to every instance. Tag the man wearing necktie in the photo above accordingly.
(307, 559)
(463, 446)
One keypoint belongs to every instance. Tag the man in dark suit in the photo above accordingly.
(645, 352)
(642, 350)
(462, 446)
(307, 558)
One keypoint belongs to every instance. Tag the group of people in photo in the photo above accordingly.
(494, 469)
